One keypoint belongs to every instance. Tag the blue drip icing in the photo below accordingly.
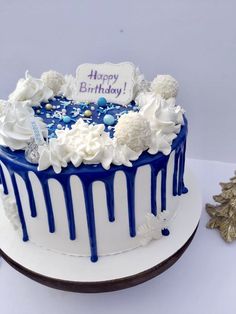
(155, 169)
(109, 185)
(88, 174)
(163, 188)
(3, 181)
(19, 206)
(175, 175)
(154, 173)
(130, 181)
(88, 197)
(184, 189)
(48, 203)
(180, 180)
(69, 207)
(30, 195)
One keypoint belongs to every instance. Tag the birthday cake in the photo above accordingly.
(93, 164)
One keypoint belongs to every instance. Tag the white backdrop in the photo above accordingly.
(195, 41)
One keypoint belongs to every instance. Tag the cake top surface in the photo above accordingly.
(108, 114)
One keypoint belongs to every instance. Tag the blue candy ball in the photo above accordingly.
(108, 119)
(66, 119)
(102, 102)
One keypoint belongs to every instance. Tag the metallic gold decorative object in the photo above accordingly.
(223, 215)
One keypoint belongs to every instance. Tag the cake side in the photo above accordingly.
(54, 220)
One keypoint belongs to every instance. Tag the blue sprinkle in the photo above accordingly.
(83, 106)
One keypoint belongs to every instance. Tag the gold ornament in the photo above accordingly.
(223, 215)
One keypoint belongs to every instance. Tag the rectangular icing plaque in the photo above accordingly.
(115, 82)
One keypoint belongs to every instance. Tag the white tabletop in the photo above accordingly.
(202, 281)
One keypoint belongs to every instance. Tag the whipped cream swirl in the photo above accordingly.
(30, 91)
(165, 120)
(15, 126)
(84, 143)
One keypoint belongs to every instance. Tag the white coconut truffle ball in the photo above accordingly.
(53, 80)
(165, 85)
(133, 130)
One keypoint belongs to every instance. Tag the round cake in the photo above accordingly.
(92, 165)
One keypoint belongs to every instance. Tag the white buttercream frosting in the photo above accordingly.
(165, 120)
(53, 80)
(15, 126)
(30, 91)
(83, 143)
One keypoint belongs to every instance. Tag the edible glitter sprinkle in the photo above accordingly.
(65, 113)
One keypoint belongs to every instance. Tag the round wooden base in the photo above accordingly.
(101, 286)
(110, 273)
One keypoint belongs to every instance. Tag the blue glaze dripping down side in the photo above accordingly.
(88, 197)
(130, 181)
(109, 186)
(156, 168)
(175, 175)
(183, 187)
(163, 187)
(154, 173)
(88, 175)
(3, 181)
(179, 166)
(65, 183)
(19, 206)
(48, 203)
(30, 194)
